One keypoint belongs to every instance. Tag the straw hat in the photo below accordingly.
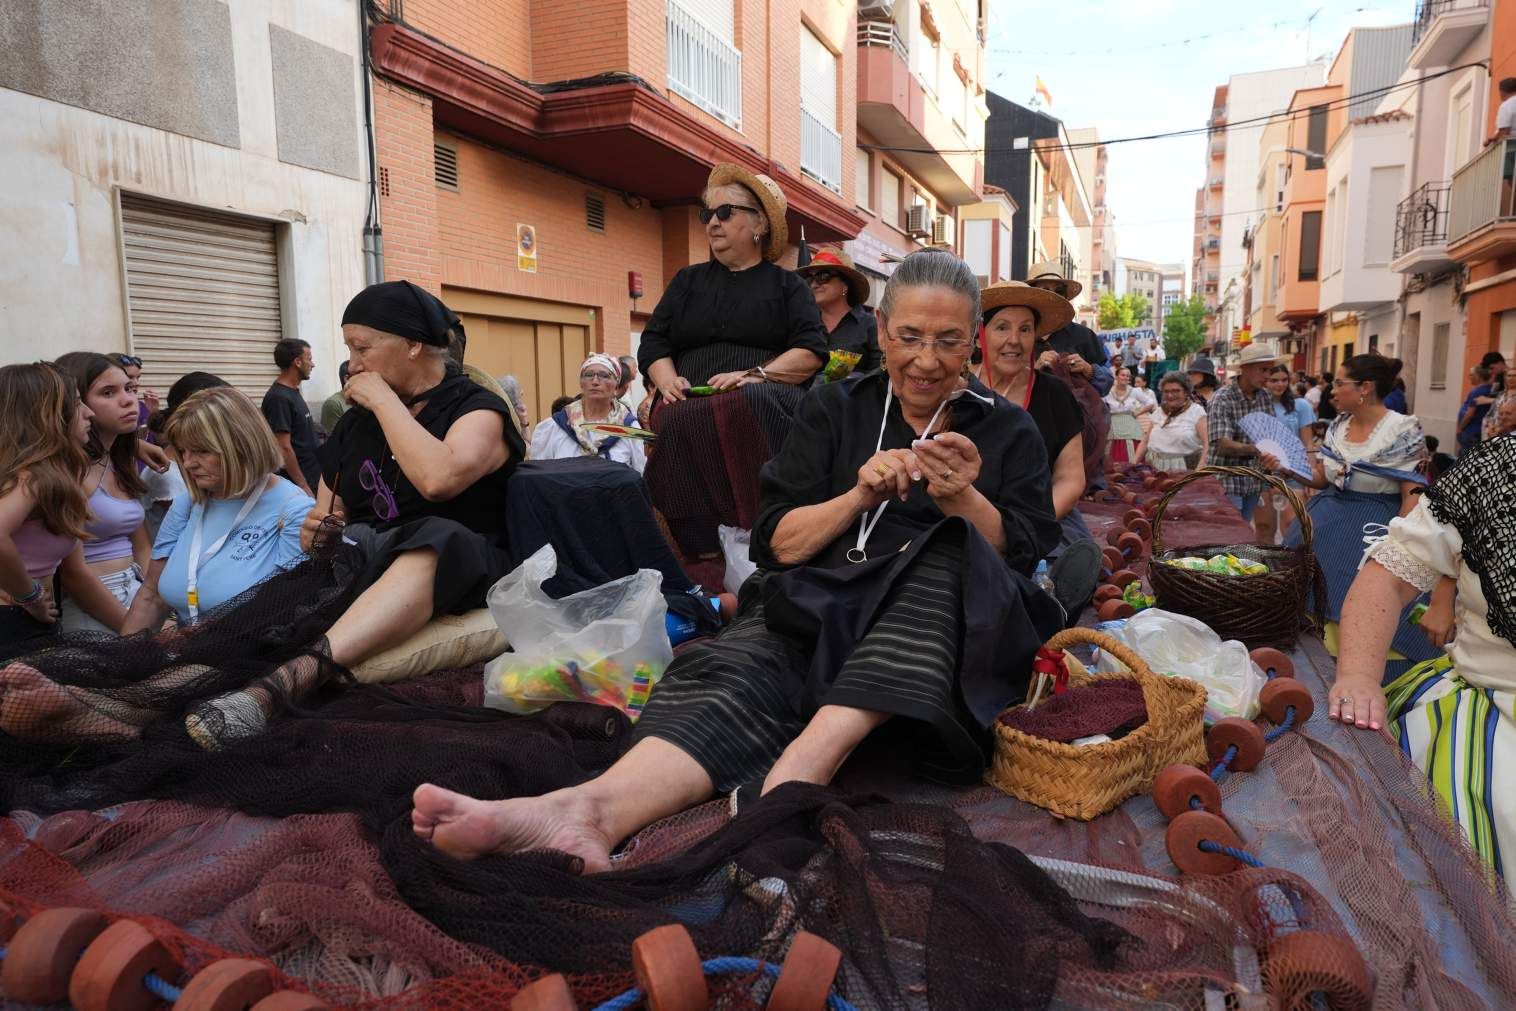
(1049, 274)
(1052, 309)
(1254, 354)
(839, 262)
(770, 197)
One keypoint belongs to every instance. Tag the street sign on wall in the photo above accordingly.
(526, 248)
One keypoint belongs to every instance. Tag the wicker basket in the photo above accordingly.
(1264, 610)
(1086, 781)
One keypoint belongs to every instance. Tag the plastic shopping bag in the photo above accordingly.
(608, 644)
(1178, 644)
(735, 545)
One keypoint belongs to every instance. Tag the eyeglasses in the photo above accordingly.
(385, 507)
(947, 347)
(723, 212)
(821, 277)
(604, 377)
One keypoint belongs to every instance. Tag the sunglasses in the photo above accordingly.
(384, 505)
(822, 277)
(723, 212)
(131, 360)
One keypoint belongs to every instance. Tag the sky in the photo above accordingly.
(1130, 69)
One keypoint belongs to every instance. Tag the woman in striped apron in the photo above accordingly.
(897, 530)
(1454, 716)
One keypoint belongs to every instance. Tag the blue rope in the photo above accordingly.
(711, 967)
(161, 988)
(1195, 804)
(1241, 856)
(1283, 728)
(1226, 760)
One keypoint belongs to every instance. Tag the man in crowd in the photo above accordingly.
(336, 405)
(1228, 446)
(1076, 345)
(289, 415)
(1488, 376)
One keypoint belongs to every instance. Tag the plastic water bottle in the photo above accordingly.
(681, 629)
(1043, 578)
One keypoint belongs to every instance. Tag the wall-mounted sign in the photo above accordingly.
(526, 248)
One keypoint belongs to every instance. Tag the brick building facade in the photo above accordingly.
(589, 128)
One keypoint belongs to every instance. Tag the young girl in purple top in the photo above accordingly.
(116, 545)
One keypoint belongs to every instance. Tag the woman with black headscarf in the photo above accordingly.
(415, 475)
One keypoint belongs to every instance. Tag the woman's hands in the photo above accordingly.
(730, 380)
(950, 462)
(1356, 701)
(886, 474)
(368, 389)
(44, 608)
(320, 523)
(153, 456)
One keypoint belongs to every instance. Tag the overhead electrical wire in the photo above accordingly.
(1344, 102)
(1171, 44)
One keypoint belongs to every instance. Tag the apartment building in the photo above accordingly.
(1263, 245)
(1447, 129)
(1031, 157)
(920, 125)
(986, 229)
(177, 183)
(1314, 117)
(1162, 284)
(1210, 216)
(1482, 218)
(1098, 252)
(541, 165)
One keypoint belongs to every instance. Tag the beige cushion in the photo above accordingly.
(446, 642)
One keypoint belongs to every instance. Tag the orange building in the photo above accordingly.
(1314, 121)
(1482, 218)
(537, 163)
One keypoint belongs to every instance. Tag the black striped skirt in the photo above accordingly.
(736, 703)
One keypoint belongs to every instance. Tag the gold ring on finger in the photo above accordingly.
(881, 470)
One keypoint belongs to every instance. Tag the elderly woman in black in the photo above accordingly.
(744, 327)
(415, 475)
(899, 525)
(840, 289)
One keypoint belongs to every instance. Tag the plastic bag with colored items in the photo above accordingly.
(1223, 565)
(840, 365)
(608, 644)
(1178, 644)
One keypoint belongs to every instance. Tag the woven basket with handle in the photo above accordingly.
(1264, 610)
(1086, 781)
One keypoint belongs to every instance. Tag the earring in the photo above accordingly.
(413, 356)
(757, 238)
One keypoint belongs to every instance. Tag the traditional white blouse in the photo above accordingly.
(1397, 442)
(1419, 549)
(1179, 437)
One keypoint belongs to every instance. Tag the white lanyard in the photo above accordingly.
(195, 558)
(867, 524)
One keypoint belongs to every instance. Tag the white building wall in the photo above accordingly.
(61, 286)
(1250, 96)
(1366, 158)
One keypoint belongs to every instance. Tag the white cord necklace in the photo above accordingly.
(867, 523)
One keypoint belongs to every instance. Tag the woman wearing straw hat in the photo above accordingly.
(840, 290)
(1015, 317)
(743, 327)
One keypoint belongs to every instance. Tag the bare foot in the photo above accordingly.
(463, 827)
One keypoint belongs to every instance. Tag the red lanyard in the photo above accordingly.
(1031, 380)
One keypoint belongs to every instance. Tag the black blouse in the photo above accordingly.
(358, 438)
(857, 331)
(835, 431)
(1058, 415)
(740, 319)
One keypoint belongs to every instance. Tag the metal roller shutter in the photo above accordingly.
(202, 294)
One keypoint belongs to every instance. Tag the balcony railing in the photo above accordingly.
(1427, 11)
(1421, 219)
(883, 33)
(1481, 191)
(1218, 144)
(703, 67)
(820, 151)
(1217, 182)
(1213, 245)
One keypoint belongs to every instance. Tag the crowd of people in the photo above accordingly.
(902, 475)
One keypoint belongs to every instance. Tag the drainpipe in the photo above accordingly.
(373, 235)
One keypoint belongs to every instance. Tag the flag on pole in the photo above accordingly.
(1043, 93)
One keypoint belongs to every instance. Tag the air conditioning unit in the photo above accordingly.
(942, 230)
(876, 10)
(918, 221)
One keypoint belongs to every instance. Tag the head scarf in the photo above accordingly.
(610, 364)
(401, 308)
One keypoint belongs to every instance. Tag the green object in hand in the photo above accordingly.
(1417, 613)
(702, 391)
